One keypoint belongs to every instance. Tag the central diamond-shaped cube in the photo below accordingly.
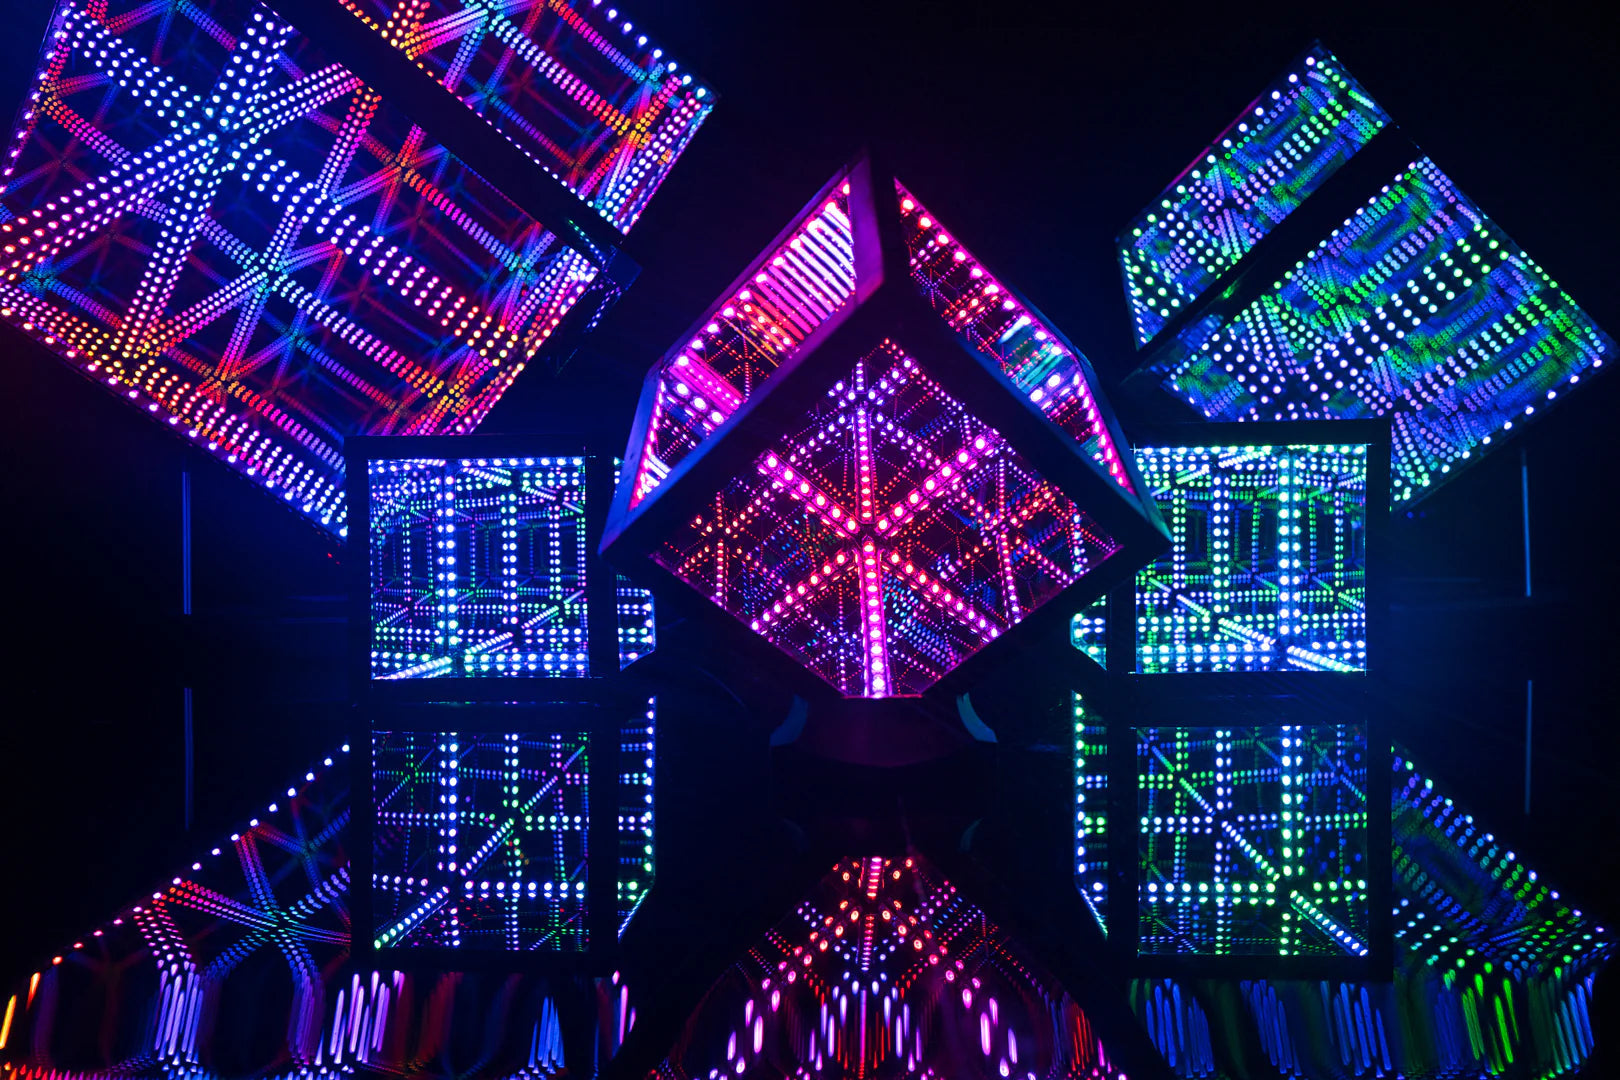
(878, 457)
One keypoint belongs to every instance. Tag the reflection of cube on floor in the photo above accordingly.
(875, 456)
(480, 840)
(504, 829)
(1254, 841)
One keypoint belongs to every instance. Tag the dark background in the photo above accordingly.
(1036, 138)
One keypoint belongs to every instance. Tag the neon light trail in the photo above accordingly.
(576, 86)
(1289, 140)
(1253, 841)
(886, 970)
(887, 537)
(227, 229)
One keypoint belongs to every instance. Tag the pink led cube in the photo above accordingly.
(877, 457)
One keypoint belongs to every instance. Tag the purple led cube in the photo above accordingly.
(877, 457)
(212, 216)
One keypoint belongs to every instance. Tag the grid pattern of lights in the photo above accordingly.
(886, 970)
(576, 86)
(890, 535)
(1253, 841)
(1419, 307)
(636, 746)
(1268, 161)
(1091, 810)
(1267, 568)
(478, 569)
(479, 841)
(793, 290)
(235, 235)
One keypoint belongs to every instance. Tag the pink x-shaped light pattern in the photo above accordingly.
(889, 537)
(205, 215)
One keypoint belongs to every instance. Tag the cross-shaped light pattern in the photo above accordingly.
(576, 86)
(1267, 161)
(886, 970)
(1253, 841)
(479, 841)
(889, 536)
(1267, 565)
(205, 215)
(1419, 308)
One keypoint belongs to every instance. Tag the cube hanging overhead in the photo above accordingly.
(1314, 264)
(241, 222)
(876, 456)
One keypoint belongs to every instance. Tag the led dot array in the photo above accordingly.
(1309, 122)
(249, 245)
(1267, 565)
(479, 841)
(888, 536)
(575, 86)
(1253, 841)
(887, 970)
(478, 569)
(1419, 308)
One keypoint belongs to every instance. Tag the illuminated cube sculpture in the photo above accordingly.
(1379, 290)
(480, 570)
(205, 210)
(1267, 570)
(476, 579)
(876, 456)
